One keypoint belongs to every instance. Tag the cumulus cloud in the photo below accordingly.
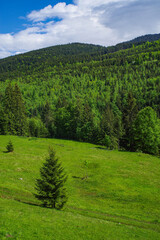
(104, 22)
(60, 10)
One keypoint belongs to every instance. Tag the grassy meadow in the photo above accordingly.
(111, 195)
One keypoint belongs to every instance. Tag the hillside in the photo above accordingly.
(136, 41)
(146, 38)
(86, 93)
(38, 60)
(110, 193)
(69, 53)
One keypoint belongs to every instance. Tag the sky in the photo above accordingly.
(34, 24)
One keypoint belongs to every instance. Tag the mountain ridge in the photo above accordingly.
(91, 48)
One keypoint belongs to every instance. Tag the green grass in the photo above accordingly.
(112, 195)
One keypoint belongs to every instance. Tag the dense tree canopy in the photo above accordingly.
(81, 92)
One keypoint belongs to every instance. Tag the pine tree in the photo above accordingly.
(50, 187)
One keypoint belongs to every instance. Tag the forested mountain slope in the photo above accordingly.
(88, 93)
(146, 38)
(15, 66)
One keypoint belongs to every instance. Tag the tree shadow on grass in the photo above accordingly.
(33, 204)
(102, 148)
(28, 203)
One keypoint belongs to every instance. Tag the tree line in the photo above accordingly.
(133, 130)
(84, 94)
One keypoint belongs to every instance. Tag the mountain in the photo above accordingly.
(137, 41)
(85, 92)
(40, 59)
(68, 53)
(146, 38)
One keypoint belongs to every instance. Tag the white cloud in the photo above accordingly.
(60, 10)
(104, 22)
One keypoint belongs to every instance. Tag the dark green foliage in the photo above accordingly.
(146, 131)
(48, 119)
(3, 121)
(13, 112)
(83, 92)
(50, 187)
(9, 109)
(10, 147)
(146, 38)
(129, 115)
(19, 112)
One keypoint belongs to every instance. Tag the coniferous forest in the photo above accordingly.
(108, 96)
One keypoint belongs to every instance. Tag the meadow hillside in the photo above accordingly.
(86, 93)
(113, 195)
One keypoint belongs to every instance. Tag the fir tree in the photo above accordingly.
(50, 187)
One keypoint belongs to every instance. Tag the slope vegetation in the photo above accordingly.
(112, 195)
(85, 92)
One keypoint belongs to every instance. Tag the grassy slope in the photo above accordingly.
(112, 195)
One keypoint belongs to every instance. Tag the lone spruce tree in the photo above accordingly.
(50, 187)
(10, 147)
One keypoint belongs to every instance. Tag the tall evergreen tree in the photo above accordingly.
(129, 115)
(8, 109)
(48, 119)
(107, 126)
(146, 131)
(14, 110)
(50, 187)
(19, 112)
(3, 123)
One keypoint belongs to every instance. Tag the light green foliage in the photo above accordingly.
(36, 128)
(146, 131)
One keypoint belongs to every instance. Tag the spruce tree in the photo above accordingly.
(129, 115)
(3, 122)
(50, 187)
(19, 112)
(10, 147)
(8, 109)
(15, 115)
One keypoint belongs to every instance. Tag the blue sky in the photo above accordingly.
(34, 24)
(13, 13)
